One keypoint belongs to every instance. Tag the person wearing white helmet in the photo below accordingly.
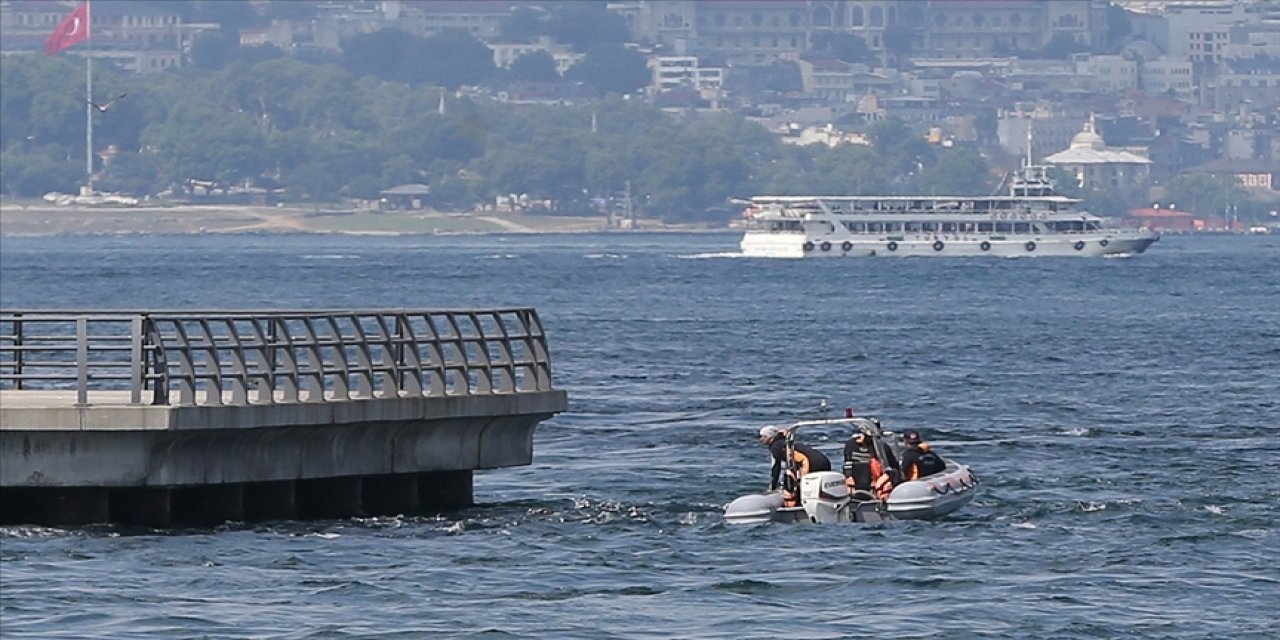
(804, 460)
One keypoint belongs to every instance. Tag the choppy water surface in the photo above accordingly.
(1121, 412)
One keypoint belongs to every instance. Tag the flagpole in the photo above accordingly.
(88, 95)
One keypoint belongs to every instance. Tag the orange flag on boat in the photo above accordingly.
(73, 28)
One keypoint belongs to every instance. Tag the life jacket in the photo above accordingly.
(927, 463)
(881, 483)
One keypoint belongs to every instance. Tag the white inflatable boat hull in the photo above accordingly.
(930, 497)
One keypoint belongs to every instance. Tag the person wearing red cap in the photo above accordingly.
(918, 460)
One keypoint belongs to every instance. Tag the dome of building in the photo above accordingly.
(1088, 137)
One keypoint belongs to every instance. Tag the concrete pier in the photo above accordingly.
(161, 419)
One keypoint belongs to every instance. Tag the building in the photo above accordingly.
(1109, 73)
(1039, 126)
(759, 31)
(675, 72)
(981, 28)
(506, 53)
(1261, 175)
(1095, 166)
(143, 37)
(828, 79)
(1166, 75)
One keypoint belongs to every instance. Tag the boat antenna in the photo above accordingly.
(1029, 135)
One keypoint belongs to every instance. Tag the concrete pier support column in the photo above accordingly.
(270, 501)
(329, 498)
(445, 490)
(75, 506)
(141, 506)
(19, 505)
(208, 505)
(391, 494)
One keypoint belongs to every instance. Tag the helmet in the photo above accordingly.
(911, 436)
(769, 431)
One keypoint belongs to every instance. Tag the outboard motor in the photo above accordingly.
(825, 497)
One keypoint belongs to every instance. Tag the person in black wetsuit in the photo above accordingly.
(863, 468)
(918, 459)
(805, 460)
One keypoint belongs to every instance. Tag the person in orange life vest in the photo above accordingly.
(863, 469)
(804, 460)
(918, 460)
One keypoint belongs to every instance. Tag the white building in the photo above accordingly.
(1095, 166)
(674, 72)
(506, 53)
(1109, 73)
(1165, 74)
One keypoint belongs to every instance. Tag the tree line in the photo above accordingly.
(323, 133)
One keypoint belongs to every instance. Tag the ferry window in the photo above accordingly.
(930, 227)
(912, 227)
(1004, 227)
(858, 227)
(1093, 226)
(892, 227)
(966, 227)
(1022, 227)
(948, 227)
(986, 227)
(873, 227)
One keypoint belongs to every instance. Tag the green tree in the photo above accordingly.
(454, 57)
(903, 153)
(1119, 27)
(537, 66)
(899, 39)
(524, 24)
(1205, 194)
(1061, 46)
(958, 172)
(389, 54)
(611, 69)
(30, 172)
(586, 25)
(987, 126)
(212, 50)
(847, 47)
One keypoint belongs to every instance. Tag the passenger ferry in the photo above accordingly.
(1032, 219)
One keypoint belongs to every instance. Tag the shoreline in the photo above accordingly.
(39, 219)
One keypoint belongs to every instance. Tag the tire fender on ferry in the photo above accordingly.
(826, 246)
(892, 246)
(808, 246)
(938, 245)
(847, 246)
(1080, 245)
(1031, 246)
(985, 246)
(1104, 242)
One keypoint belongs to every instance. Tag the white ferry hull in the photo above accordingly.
(772, 245)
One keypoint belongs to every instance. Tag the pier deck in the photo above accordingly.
(160, 418)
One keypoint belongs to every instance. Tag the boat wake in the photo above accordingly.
(711, 256)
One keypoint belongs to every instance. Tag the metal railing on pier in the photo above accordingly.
(273, 357)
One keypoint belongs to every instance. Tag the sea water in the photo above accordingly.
(1121, 413)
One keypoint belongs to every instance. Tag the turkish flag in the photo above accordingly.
(72, 29)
